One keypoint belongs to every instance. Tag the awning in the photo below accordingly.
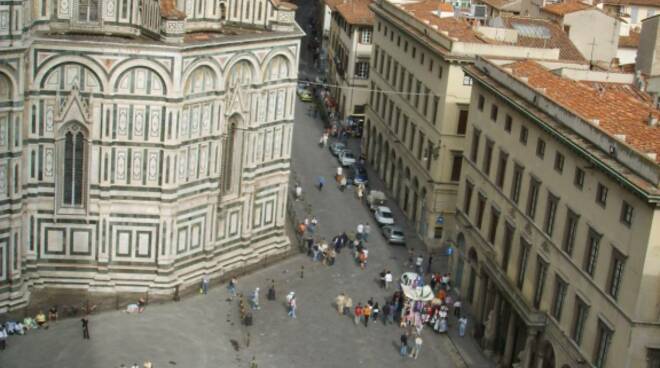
(421, 293)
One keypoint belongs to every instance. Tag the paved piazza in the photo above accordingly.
(198, 331)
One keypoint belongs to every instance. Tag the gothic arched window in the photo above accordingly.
(229, 156)
(73, 180)
(240, 74)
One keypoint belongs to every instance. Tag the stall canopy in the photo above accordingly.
(420, 293)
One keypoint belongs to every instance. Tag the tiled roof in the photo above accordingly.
(651, 3)
(619, 109)
(557, 37)
(565, 7)
(460, 29)
(456, 28)
(356, 12)
(333, 3)
(630, 41)
(498, 4)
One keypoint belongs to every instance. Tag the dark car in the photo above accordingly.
(359, 175)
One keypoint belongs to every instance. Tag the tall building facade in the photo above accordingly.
(558, 216)
(349, 53)
(419, 98)
(142, 143)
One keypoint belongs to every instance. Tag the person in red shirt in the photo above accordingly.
(358, 313)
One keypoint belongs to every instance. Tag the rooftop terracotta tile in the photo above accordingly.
(356, 12)
(620, 109)
(566, 7)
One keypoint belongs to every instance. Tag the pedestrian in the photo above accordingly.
(271, 291)
(340, 172)
(357, 313)
(255, 299)
(85, 328)
(429, 263)
(375, 313)
(417, 347)
(298, 192)
(232, 288)
(360, 191)
(359, 230)
(366, 311)
(393, 311)
(462, 324)
(293, 305)
(348, 306)
(457, 308)
(342, 183)
(321, 183)
(205, 284)
(340, 302)
(404, 344)
(419, 262)
(367, 230)
(3, 337)
(388, 279)
(253, 363)
(411, 257)
(386, 312)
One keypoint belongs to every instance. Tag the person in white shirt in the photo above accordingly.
(298, 192)
(388, 279)
(416, 348)
(418, 264)
(360, 230)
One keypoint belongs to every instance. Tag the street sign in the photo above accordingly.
(439, 220)
(450, 251)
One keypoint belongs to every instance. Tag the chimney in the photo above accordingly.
(652, 120)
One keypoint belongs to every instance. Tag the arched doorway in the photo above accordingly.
(548, 356)
(386, 160)
(390, 183)
(397, 187)
(406, 191)
(460, 260)
(473, 259)
(423, 218)
(415, 207)
(379, 152)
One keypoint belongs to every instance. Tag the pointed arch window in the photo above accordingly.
(73, 181)
(229, 157)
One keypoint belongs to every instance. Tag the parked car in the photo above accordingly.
(336, 148)
(359, 175)
(384, 216)
(305, 95)
(346, 158)
(375, 199)
(394, 234)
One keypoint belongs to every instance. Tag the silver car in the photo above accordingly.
(394, 234)
(336, 148)
(346, 158)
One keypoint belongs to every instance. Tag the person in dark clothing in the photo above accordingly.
(404, 345)
(271, 291)
(386, 312)
(85, 328)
